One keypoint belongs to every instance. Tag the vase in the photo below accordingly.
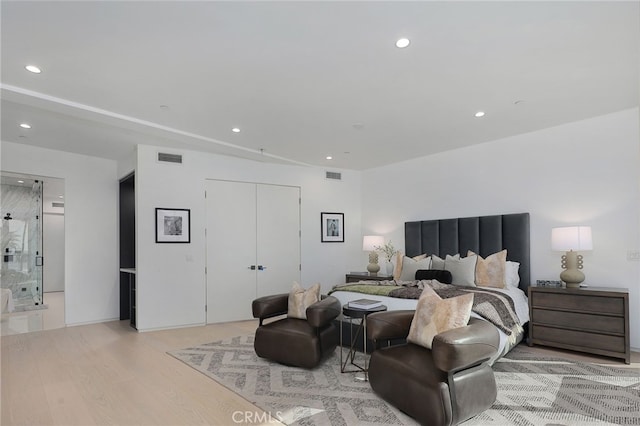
(389, 268)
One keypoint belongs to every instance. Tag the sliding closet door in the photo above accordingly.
(253, 245)
(278, 249)
(231, 250)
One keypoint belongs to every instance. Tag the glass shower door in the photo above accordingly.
(21, 230)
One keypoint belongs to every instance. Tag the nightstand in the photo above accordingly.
(590, 319)
(354, 277)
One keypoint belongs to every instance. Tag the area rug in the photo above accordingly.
(531, 390)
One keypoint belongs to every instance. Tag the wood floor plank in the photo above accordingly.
(110, 374)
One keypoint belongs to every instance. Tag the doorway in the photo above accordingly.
(32, 228)
(253, 245)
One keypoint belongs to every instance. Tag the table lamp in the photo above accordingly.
(570, 238)
(369, 243)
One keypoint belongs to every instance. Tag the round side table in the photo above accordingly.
(361, 314)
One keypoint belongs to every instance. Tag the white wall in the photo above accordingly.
(91, 250)
(53, 251)
(170, 277)
(580, 173)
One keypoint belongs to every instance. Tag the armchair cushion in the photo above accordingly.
(389, 325)
(270, 306)
(464, 347)
(435, 315)
(323, 312)
(300, 299)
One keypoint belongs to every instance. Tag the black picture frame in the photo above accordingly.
(332, 227)
(173, 226)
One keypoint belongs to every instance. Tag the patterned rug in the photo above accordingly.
(532, 391)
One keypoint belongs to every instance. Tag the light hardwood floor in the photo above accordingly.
(109, 374)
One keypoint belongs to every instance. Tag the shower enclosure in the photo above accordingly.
(21, 231)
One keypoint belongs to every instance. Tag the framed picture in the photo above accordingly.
(173, 225)
(332, 226)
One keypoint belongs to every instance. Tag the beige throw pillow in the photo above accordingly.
(300, 299)
(435, 315)
(491, 272)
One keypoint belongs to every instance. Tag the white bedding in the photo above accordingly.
(394, 304)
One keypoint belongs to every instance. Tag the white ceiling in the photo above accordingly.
(304, 80)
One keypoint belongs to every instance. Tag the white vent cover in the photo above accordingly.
(165, 157)
(334, 175)
(54, 204)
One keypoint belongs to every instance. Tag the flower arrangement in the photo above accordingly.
(388, 250)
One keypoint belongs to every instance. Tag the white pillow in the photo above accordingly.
(463, 270)
(411, 265)
(511, 274)
(438, 263)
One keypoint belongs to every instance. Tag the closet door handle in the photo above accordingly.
(252, 267)
(261, 268)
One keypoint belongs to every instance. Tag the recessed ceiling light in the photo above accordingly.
(20, 181)
(402, 43)
(480, 114)
(235, 130)
(25, 125)
(60, 196)
(329, 157)
(33, 69)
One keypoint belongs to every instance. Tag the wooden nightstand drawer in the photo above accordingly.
(593, 319)
(573, 320)
(580, 339)
(581, 303)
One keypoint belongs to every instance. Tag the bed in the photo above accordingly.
(483, 235)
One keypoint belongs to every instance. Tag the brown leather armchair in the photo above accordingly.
(292, 341)
(445, 385)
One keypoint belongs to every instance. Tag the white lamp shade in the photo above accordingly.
(370, 242)
(571, 238)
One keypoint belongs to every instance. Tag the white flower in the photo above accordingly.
(388, 250)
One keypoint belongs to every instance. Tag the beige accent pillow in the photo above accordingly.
(300, 299)
(435, 315)
(491, 271)
(463, 270)
(404, 266)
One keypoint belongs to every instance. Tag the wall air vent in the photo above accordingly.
(164, 157)
(54, 204)
(334, 175)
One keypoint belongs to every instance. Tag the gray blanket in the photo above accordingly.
(491, 305)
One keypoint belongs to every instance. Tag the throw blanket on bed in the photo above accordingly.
(378, 288)
(493, 306)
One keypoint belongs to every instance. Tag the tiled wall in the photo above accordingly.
(22, 242)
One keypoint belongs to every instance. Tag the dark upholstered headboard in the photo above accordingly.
(482, 234)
